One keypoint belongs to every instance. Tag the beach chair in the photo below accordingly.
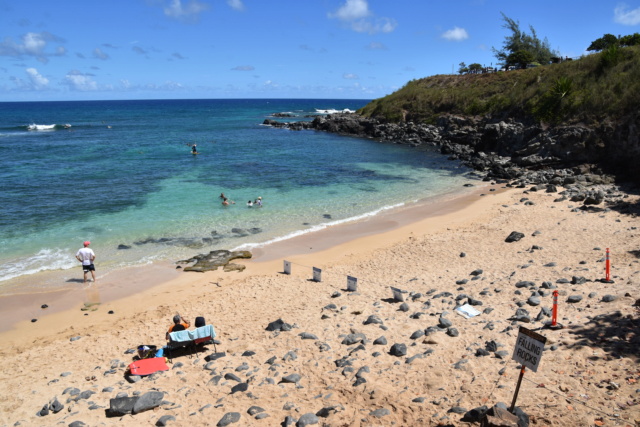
(190, 340)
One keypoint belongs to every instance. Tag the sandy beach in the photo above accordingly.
(358, 358)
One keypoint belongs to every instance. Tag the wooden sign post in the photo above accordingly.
(352, 284)
(287, 267)
(317, 274)
(527, 352)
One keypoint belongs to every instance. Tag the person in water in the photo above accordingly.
(194, 150)
(86, 256)
(258, 202)
(225, 202)
(250, 204)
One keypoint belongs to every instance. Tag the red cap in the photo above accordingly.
(87, 243)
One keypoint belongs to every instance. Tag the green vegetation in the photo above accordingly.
(472, 68)
(609, 40)
(519, 46)
(592, 90)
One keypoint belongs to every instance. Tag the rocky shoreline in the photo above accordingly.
(507, 151)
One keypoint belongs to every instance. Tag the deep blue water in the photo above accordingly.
(123, 174)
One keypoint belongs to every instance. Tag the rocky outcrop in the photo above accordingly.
(507, 149)
(215, 259)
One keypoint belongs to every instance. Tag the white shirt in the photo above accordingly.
(86, 255)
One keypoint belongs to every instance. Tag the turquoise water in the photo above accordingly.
(123, 177)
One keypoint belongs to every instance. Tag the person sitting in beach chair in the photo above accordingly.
(190, 341)
(146, 352)
(179, 324)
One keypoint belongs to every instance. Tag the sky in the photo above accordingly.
(57, 50)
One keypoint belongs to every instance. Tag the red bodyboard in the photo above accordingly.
(148, 366)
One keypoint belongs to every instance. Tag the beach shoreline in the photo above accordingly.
(441, 258)
(127, 281)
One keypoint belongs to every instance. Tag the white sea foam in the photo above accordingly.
(34, 126)
(332, 111)
(45, 260)
(249, 246)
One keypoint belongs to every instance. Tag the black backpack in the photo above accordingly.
(200, 322)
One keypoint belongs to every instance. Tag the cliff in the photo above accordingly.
(574, 114)
(581, 118)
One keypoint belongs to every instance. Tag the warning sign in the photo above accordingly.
(528, 349)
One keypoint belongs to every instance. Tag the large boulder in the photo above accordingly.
(213, 260)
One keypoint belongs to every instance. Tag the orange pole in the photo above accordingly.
(554, 315)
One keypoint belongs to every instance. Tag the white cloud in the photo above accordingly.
(236, 4)
(139, 50)
(38, 81)
(243, 68)
(623, 16)
(380, 25)
(189, 11)
(32, 44)
(376, 46)
(356, 13)
(170, 85)
(350, 76)
(351, 10)
(456, 34)
(80, 82)
(100, 54)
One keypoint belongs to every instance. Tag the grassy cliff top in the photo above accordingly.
(595, 89)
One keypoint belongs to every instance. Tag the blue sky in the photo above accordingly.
(361, 49)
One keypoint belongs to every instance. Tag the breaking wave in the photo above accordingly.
(37, 127)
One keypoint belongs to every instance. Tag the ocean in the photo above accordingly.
(121, 174)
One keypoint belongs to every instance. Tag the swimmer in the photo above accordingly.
(250, 204)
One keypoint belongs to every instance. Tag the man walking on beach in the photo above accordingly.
(86, 256)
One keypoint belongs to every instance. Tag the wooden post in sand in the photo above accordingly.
(515, 394)
(287, 267)
(352, 284)
(317, 274)
(527, 352)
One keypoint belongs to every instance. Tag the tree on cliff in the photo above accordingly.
(629, 40)
(475, 68)
(609, 40)
(603, 43)
(519, 40)
(520, 58)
